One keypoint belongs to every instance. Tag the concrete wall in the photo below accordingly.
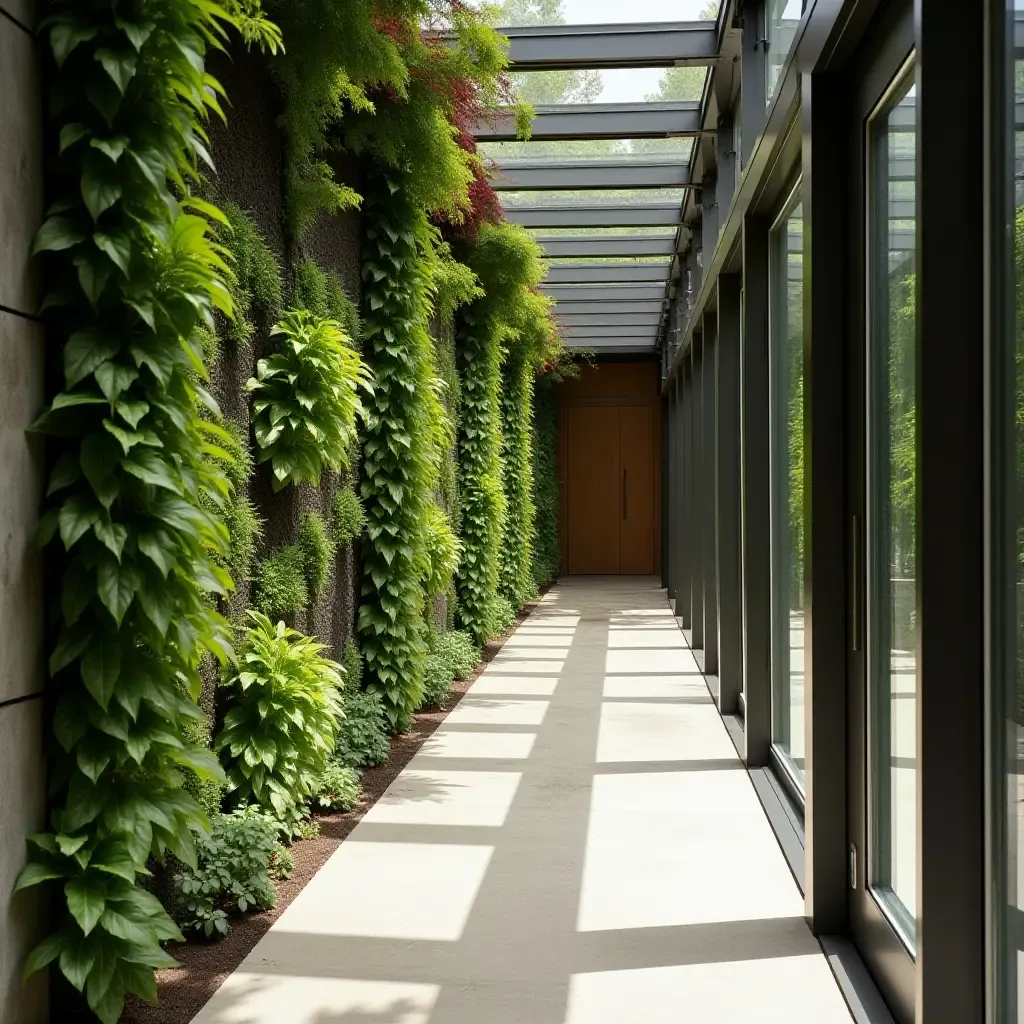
(22, 768)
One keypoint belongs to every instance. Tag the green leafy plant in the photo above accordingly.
(363, 737)
(284, 713)
(318, 550)
(245, 528)
(337, 788)
(322, 293)
(504, 615)
(442, 551)
(348, 520)
(352, 662)
(516, 580)
(233, 875)
(458, 652)
(132, 273)
(399, 460)
(546, 555)
(280, 584)
(307, 400)
(437, 682)
(257, 274)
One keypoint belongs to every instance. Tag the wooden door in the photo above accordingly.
(636, 455)
(611, 490)
(593, 491)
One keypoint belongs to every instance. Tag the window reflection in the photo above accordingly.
(782, 17)
(787, 473)
(892, 496)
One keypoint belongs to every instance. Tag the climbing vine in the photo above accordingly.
(132, 272)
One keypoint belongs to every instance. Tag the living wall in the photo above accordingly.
(292, 448)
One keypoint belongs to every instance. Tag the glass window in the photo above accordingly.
(675, 150)
(1008, 659)
(618, 85)
(600, 12)
(781, 18)
(892, 499)
(786, 359)
(593, 197)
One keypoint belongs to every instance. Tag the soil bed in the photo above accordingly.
(204, 966)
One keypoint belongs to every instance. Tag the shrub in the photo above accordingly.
(284, 712)
(257, 274)
(363, 737)
(338, 788)
(245, 528)
(233, 875)
(504, 615)
(348, 520)
(442, 550)
(457, 650)
(318, 551)
(437, 681)
(352, 662)
(322, 294)
(307, 400)
(281, 582)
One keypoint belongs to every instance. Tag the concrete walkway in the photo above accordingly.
(577, 844)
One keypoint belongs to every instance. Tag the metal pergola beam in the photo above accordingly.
(596, 273)
(599, 331)
(608, 293)
(608, 308)
(562, 122)
(576, 246)
(639, 215)
(582, 320)
(572, 175)
(657, 44)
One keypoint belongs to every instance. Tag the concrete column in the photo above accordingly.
(22, 767)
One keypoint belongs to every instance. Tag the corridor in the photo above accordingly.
(577, 844)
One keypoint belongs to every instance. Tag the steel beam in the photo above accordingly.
(608, 308)
(562, 175)
(594, 273)
(616, 293)
(575, 246)
(639, 215)
(657, 44)
(556, 122)
(598, 331)
(608, 348)
(609, 319)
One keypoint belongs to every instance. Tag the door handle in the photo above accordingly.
(625, 504)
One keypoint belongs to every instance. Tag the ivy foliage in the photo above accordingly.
(132, 273)
(307, 400)
(280, 584)
(546, 555)
(399, 462)
(442, 550)
(348, 520)
(257, 274)
(318, 551)
(284, 712)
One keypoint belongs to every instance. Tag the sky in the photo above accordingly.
(582, 12)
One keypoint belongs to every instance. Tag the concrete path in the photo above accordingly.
(577, 844)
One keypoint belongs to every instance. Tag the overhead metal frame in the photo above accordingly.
(651, 45)
(610, 307)
(609, 319)
(609, 273)
(562, 122)
(610, 293)
(577, 246)
(637, 215)
(581, 175)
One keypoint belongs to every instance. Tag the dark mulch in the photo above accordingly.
(204, 966)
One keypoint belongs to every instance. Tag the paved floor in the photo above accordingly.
(577, 844)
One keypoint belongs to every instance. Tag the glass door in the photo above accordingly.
(788, 526)
(882, 488)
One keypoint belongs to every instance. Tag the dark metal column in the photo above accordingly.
(668, 489)
(728, 533)
(826, 522)
(709, 495)
(951, 513)
(752, 102)
(756, 495)
(698, 482)
(684, 552)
